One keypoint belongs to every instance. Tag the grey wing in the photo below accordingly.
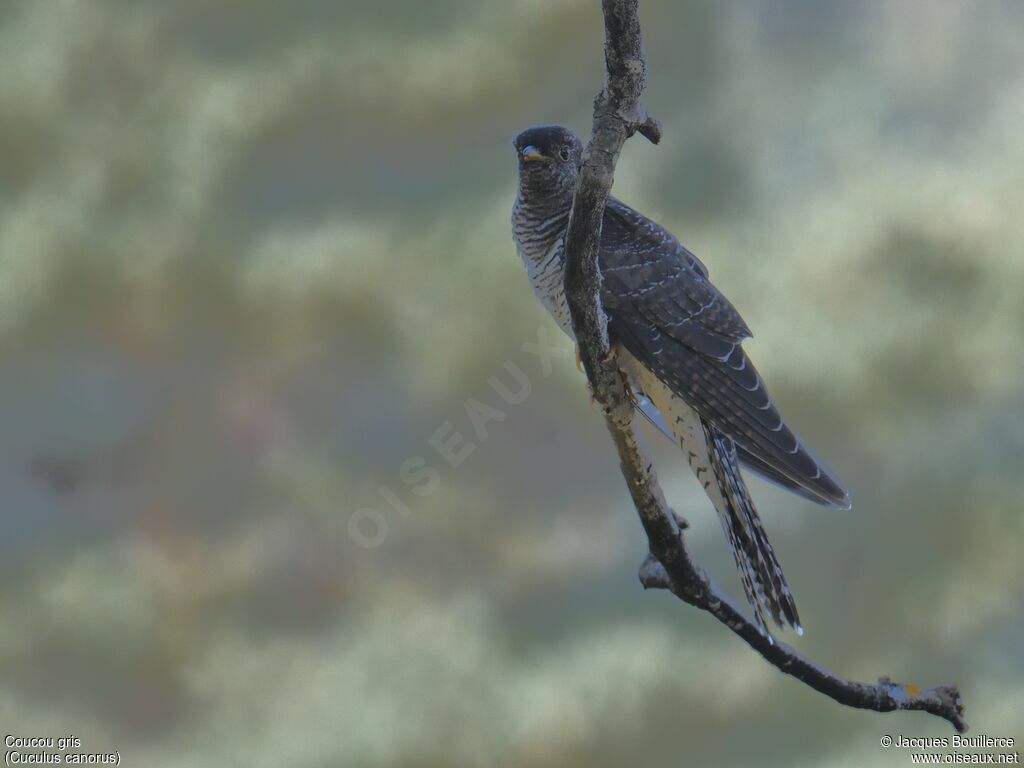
(664, 310)
(647, 409)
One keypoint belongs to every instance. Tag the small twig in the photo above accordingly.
(943, 701)
(618, 114)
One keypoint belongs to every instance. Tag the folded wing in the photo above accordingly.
(664, 310)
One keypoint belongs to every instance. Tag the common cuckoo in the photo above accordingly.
(678, 339)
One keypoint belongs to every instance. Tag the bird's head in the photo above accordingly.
(549, 159)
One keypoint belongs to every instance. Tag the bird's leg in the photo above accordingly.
(629, 389)
(630, 392)
(579, 358)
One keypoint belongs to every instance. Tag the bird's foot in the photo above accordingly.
(630, 392)
(579, 358)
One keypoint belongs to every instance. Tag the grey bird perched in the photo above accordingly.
(678, 340)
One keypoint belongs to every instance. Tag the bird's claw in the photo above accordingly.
(680, 521)
(633, 398)
(579, 358)
(630, 392)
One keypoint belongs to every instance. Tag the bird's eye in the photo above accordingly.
(565, 153)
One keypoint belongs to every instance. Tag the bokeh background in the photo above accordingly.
(253, 255)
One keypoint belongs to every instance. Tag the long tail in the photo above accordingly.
(763, 581)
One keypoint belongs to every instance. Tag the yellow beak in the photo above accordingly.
(532, 153)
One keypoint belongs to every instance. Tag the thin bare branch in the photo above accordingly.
(618, 114)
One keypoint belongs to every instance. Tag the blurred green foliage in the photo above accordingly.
(252, 255)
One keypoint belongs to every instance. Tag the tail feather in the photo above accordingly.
(714, 459)
(760, 573)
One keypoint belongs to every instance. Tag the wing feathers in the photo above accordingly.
(663, 309)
